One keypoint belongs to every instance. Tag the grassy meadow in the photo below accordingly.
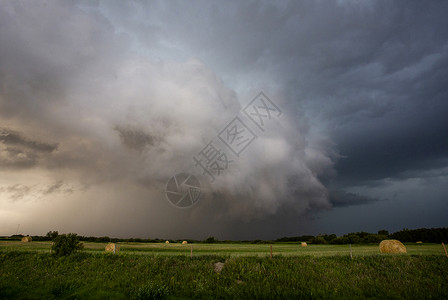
(166, 271)
(285, 249)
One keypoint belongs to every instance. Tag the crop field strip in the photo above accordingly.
(284, 249)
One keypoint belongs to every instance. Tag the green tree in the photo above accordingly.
(383, 232)
(374, 238)
(318, 240)
(51, 235)
(66, 244)
(210, 240)
(353, 238)
(330, 237)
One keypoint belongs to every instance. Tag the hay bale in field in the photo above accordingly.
(304, 244)
(392, 246)
(167, 242)
(27, 239)
(184, 243)
(419, 242)
(218, 267)
(112, 247)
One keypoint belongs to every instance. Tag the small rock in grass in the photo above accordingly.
(218, 267)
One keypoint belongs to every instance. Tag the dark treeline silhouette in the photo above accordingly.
(302, 238)
(431, 235)
(425, 235)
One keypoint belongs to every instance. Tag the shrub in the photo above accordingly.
(66, 244)
(210, 240)
(318, 240)
(51, 235)
(383, 232)
(374, 238)
(341, 240)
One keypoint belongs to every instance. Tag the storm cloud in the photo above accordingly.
(102, 102)
(19, 152)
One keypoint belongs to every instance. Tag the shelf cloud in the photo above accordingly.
(101, 103)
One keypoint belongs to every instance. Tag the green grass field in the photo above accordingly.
(285, 249)
(166, 271)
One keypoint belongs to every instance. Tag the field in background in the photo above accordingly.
(285, 249)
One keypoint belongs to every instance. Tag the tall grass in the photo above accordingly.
(34, 275)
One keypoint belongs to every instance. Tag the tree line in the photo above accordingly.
(425, 235)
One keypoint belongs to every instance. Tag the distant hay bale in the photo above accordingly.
(218, 267)
(184, 243)
(392, 246)
(419, 242)
(304, 244)
(27, 239)
(167, 242)
(112, 247)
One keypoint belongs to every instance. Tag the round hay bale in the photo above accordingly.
(419, 242)
(167, 242)
(27, 239)
(184, 243)
(304, 244)
(112, 247)
(392, 246)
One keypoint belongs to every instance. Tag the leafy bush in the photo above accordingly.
(51, 235)
(210, 240)
(341, 240)
(66, 244)
(374, 238)
(320, 240)
(383, 232)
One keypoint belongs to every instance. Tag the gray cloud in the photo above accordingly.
(16, 191)
(9, 137)
(359, 70)
(18, 152)
(20, 192)
(119, 96)
(57, 187)
(340, 198)
(167, 111)
(135, 139)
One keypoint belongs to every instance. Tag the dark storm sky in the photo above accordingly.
(101, 102)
